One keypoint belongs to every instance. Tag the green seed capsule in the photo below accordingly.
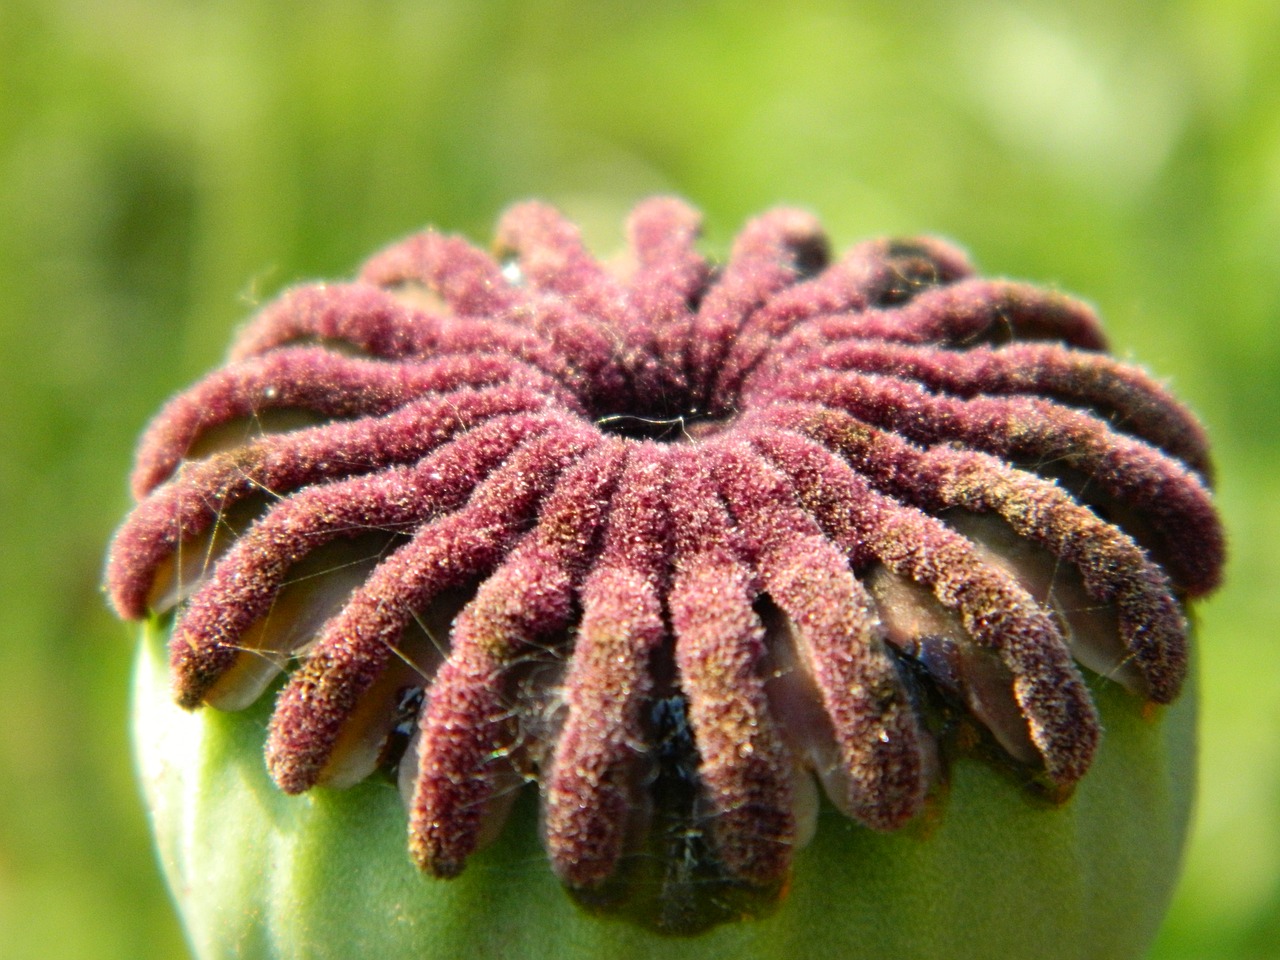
(991, 873)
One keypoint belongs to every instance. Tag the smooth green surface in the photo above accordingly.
(994, 876)
(165, 165)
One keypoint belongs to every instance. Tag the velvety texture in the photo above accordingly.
(679, 542)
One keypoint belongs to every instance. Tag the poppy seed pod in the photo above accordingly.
(824, 607)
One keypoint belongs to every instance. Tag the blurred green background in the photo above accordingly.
(165, 165)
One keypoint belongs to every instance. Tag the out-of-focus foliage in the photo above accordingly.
(165, 165)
